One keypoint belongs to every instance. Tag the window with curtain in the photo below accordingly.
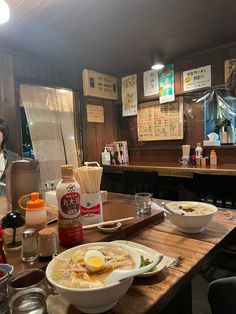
(48, 118)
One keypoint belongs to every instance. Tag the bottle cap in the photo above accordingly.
(67, 171)
(47, 233)
(35, 202)
(28, 233)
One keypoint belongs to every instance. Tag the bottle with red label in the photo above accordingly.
(70, 230)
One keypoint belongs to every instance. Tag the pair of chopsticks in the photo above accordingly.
(107, 223)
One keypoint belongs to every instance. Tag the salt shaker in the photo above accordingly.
(47, 243)
(29, 251)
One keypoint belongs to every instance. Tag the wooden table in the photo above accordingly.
(168, 289)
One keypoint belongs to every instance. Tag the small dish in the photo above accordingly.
(7, 268)
(110, 228)
(147, 253)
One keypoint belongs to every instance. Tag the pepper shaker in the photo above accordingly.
(29, 251)
(47, 243)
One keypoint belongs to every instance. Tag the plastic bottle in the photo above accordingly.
(69, 219)
(35, 215)
(230, 132)
(106, 158)
(198, 152)
(213, 158)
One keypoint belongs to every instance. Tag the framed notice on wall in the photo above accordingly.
(158, 122)
(95, 113)
(100, 85)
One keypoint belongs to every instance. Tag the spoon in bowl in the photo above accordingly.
(119, 274)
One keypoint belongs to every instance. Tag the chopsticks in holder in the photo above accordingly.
(107, 222)
(89, 178)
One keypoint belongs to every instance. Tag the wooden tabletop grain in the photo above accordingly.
(191, 251)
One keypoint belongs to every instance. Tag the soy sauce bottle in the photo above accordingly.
(70, 230)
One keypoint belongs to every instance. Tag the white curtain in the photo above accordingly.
(50, 118)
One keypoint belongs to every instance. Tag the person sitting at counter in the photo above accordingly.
(6, 155)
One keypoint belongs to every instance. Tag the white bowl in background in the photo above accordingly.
(95, 300)
(188, 223)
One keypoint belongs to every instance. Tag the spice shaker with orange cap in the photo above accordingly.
(35, 215)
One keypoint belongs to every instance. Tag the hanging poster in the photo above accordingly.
(150, 83)
(167, 84)
(95, 113)
(129, 95)
(230, 73)
(197, 78)
(158, 122)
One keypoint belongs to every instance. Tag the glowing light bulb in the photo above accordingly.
(4, 12)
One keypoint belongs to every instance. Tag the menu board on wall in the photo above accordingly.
(100, 85)
(158, 122)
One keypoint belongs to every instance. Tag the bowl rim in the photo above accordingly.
(194, 202)
(86, 290)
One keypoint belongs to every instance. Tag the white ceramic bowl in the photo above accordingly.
(99, 299)
(190, 224)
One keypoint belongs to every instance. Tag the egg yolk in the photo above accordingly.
(94, 263)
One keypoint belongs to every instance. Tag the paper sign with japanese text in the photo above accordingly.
(150, 83)
(95, 113)
(197, 78)
(129, 95)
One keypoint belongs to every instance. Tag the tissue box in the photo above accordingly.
(211, 143)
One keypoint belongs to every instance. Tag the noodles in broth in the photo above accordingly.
(71, 269)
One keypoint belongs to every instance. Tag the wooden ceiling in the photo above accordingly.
(116, 36)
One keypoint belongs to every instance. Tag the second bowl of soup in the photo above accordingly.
(79, 274)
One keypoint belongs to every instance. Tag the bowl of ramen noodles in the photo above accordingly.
(79, 274)
(197, 215)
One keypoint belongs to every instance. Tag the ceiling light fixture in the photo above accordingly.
(157, 61)
(4, 12)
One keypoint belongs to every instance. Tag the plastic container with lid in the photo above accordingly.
(213, 158)
(35, 215)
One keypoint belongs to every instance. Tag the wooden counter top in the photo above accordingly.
(172, 169)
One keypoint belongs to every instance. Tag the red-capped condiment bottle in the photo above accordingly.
(70, 229)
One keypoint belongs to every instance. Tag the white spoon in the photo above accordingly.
(119, 274)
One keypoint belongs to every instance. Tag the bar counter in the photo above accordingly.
(172, 169)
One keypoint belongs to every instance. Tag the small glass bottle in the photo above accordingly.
(29, 251)
(47, 244)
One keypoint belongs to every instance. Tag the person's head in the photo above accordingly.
(4, 132)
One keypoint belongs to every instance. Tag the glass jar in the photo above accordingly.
(29, 301)
(29, 250)
(47, 243)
